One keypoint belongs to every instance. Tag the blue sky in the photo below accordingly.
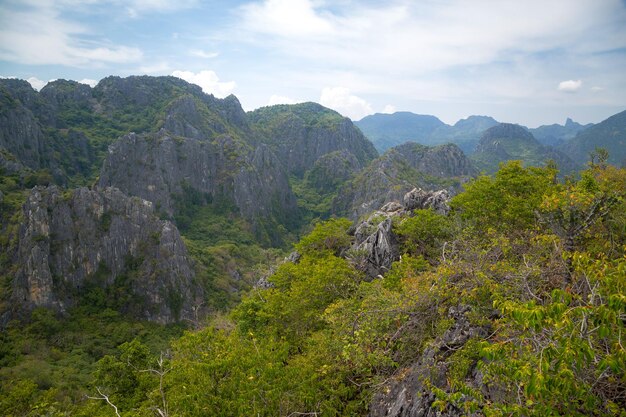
(531, 62)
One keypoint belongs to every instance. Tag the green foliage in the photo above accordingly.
(424, 234)
(330, 236)
(508, 201)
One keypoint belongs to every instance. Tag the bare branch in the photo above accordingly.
(105, 398)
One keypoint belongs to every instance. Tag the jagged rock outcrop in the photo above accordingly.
(376, 245)
(444, 161)
(299, 134)
(71, 241)
(418, 199)
(162, 167)
(20, 132)
(408, 395)
(29, 140)
(399, 170)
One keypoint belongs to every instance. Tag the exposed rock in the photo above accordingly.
(378, 246)
(444, 161)
(417, 199)
(20, 132)
(159, 167)
(408, 396)
(300, 134)
(74, 240)
(332, 170)
(389, 177)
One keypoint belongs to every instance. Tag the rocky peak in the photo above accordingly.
(299, 134)
(374, 237)
(61, 93)
(72, 242)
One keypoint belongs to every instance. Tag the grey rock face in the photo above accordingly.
(443, 161)
(300, 134)
(389, 177)
(20, 133)
(375, 241)
(74, 239)
(417, 199)
(380, 247)
(408, 396)
(158, 167)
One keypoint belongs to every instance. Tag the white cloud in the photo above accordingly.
(208, 81)
(203, 54)
(276, 99)
(570, 86)
(89, 82)
(596, 89)
(36, 83)
(389, 109)
(341, 100)
(39, 36)
(285, 17)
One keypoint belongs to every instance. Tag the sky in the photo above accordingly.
(531, 62)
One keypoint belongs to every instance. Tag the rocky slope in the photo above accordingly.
(375, 238)
(399, 170)
(408, 394)
(508, 141)
(73, 244)
(221, 171)
(300, 134)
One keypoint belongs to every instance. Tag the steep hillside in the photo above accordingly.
(506, 142)
(399, 170)
(300, 134)
(100, 246)
(609, 134)
(166, 169)
(320, 149)
(555, 135)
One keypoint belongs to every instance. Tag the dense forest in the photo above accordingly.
(503, 294)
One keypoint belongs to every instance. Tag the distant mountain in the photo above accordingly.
(465, 133)
(388, 130)
(556, 134)
(398, 171)
(609, 134)
(509, 141)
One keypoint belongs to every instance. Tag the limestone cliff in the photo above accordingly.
(300, 134)
(161, 167)
(398, 171)
(72, 243)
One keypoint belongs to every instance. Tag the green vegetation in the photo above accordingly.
(312, 115)
(538, 264)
